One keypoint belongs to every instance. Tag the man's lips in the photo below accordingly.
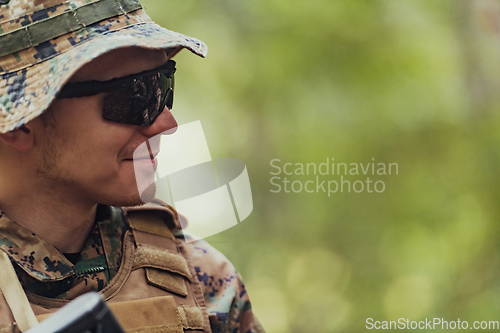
(144, 162)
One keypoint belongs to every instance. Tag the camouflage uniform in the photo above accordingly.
(46, 272)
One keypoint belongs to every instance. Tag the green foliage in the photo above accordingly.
(401, 81)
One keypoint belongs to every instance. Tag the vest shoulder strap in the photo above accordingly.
(165, 261)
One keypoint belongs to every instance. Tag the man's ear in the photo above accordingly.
(21, 138)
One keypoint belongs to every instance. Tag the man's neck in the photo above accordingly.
(63, 226)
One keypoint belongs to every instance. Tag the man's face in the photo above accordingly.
(80, 155)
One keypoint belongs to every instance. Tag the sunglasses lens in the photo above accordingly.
(168, 89)
(140, 102)
(120, 107)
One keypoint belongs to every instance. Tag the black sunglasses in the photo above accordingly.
(136, 99)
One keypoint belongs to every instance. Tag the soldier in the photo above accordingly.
(66, 168)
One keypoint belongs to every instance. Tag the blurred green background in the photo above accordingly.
(397, 81)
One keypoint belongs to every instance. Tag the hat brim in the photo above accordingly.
(27, 93)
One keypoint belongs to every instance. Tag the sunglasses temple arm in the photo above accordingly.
(84, 89)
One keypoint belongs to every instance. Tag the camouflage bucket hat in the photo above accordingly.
(44, 42)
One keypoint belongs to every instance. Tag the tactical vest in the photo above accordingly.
(156, 288)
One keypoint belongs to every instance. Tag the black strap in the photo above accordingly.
(45, 30)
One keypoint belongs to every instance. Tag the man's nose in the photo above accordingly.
(164, 123)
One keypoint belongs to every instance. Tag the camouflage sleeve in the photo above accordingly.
(227, 301)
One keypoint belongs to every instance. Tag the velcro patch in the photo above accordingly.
(148, 256)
